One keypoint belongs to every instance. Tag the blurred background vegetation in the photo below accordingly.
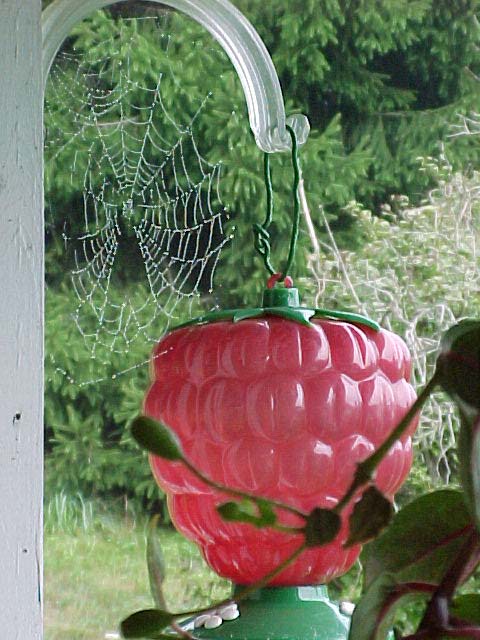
(383, 85)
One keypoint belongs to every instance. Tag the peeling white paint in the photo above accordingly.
(21, 320)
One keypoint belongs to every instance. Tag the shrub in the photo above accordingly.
(416, 271)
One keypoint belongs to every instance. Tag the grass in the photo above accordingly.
(96, 574)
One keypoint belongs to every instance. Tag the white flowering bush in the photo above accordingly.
(416, 270)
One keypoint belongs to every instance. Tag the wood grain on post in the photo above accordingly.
(21, 320)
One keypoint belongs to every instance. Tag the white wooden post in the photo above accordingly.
(21, 320)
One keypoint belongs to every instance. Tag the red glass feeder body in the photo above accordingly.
(281, 410)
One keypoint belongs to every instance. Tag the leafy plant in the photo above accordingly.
(415, 269)
(428, 550)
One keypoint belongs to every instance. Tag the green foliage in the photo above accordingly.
(94, 576)
(373, 617)
(321, 527)
(423, 538)
(370, 515)
(467, 607)
(155, 564)
(415, 270)
(146, 624)
(68, 514)
(379, 85)
(422, 556)
(89, 449)
(155, 438)
(259, 514)
(393, 71)
(469, 460)
(459, 365)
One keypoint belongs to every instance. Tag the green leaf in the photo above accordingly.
(146, 624)
(373, 616)
(267, 511)
(458, 364)
(476, 469)
(370, 515)
(155, 438)
(236, 512)
(322, 527)
(469, 455)
(455, 336)
(155, 564)
(257, 513)
(467, 607)
(422, 540)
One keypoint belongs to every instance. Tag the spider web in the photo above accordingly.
(146, 200)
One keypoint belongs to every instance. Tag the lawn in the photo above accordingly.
(96, 574)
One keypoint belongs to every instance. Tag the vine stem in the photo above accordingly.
(468, 632)
(182, 632)
(238, 493)
(260, 231)
(437, 614)
(250, 589)
(366, 469)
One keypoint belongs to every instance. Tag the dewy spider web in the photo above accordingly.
(145, 188)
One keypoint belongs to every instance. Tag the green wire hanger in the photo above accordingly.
(262, 235)
(283, 301)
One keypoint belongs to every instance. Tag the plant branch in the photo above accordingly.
(183, 633)
(468, 632)
(248, 590)
(437, 613)
(366, 469)
(238, 493)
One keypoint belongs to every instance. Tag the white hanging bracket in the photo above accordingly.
(237, 37)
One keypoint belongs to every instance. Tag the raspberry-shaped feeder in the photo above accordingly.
(283, 403)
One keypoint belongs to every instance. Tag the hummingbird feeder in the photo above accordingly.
(280, 401)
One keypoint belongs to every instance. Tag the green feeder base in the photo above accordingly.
(282, 613)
